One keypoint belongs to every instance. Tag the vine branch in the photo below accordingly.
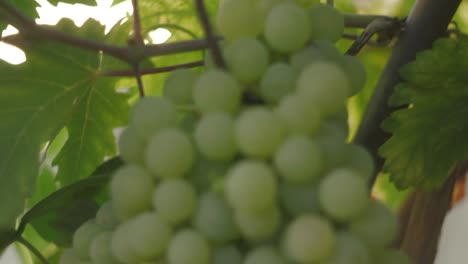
(123, 73)
(137, 24)
(211, 38)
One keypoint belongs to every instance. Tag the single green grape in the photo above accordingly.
(278, 80)
(214, 219)
(309, 239)
(343, 195)
(238, 18)
(101, 249)
(265, 255)
(287, 27)
(325, 84)
(189, 246)
(327, 23)
(214, 135)
(349, 250)
(298, 160)
(170, 153)
(377, 226)
(247, 59)
(300, 116)
(175, 200)
(260, 225)
(178, 86)
(148, 235)
(131, 188)
(250, 185)
(120, 245)
(259, 131)
(150, 114)
(217, 91)
(131, 147)
(83, 237)
(106, 217)
(356, 73)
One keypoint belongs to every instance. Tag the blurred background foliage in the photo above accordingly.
(178, 16)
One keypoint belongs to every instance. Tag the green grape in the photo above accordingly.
(247, 59)
(148, 235)
(299, 199)
(377, 226)
(393, 256)
(360, 160)
(214, 219)
(69, 256)
(349, 250)
(150, 114)
(227, 255)
(356, 73)
(170, 153)
(101, 249)
(83, 237)
(250, 185)
(300, 59)
(106, 217)
(189, 246)
(259, 132)
(343, 195)
(299, 115)
(265, 255)
(309, 239)
(264, 6)
(206, 173)
(287, 27)
(326, 23)
(325, 84)
(178, 86)
(175, 200)
(120, 245)
(328, 50)
(298, 160)
(260, 225)
(238, 18)
(131, 147)
(131, 189)
(214, 135)
(217, 91)
(277, 81)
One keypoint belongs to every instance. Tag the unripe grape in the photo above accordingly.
(287, 28)
(83, 237)
(150, 114)
(238, 18)
(189, 246)
(170, 153)
(131, 189)
(175, 200)
(178, 86)
(309, 239)
(343, 195)
(259, 132)
(247, 59)
(250, 186)
(260, 225)
(326, 23)
(217, 91)
(131, 147)
(300, 116)
(101, 249)
(278, 80)
(214, 135)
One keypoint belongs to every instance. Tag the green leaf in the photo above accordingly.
(57, 216)
(58, 85)
(84, 2)
(26, 7)
(429, 136)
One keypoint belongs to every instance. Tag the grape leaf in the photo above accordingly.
(429, 134)
(58, 85)
(84, 2)
(57, 216)
(26, 7)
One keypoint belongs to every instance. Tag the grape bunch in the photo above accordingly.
(240, 181)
